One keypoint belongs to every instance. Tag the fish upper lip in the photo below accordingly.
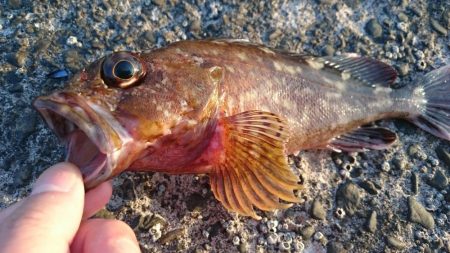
(65, 112)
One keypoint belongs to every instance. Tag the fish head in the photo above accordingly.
(128, 106)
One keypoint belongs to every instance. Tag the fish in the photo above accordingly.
(234, 111)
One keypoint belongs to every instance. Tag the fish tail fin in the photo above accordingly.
(433, 102)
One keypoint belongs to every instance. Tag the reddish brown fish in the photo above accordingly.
(233, 110)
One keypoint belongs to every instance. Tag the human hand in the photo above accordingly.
(54, 218)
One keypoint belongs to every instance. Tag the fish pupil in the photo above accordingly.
(124, 70)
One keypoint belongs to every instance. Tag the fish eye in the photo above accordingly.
(122, 70)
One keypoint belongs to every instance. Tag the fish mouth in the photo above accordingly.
(95, 141)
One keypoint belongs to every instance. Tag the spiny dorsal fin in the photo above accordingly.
(255, 171)
(363, 138)
(369, 71)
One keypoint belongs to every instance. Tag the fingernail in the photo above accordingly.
(124, 244)
(59, 178)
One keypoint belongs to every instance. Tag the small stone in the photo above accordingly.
(328, 50)
(155, 232)
(403, 69)
(439, 180)
(395, 243)
(415, 183)
(335, 247)
(418, 214)
(372, 222)
(369, 186)
(17, 59)
(236, 240)
(402, 17)
(15, 4)
(318, 236)
(374, 29)
(317, 210)
(443, 154)
(438, 27)
(272, 238)
(348, 196)
(307, 232)
(171, 235)
(243, 247)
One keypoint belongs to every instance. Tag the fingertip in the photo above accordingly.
(61, 177)
(99, 235)
(97, 198)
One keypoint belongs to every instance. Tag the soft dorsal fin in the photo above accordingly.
(369, 71)
(254, 171)
(363, 138)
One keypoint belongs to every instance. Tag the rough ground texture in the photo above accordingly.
(382, 201)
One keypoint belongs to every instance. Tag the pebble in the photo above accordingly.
(17, 59)
(307, 232)
(272, 238)
(317, 210)
(403, 69)
(236, 240)
(438, 27)
(348, 196)
(318, 236)
(155, 232)
(369, 186)
(374, 29)
(443, 154)
(415, 181)
(171, 236)
(418, 214)
(439, 180)
(15, 4)
(372, 222)
(335, 247)
(395, 243)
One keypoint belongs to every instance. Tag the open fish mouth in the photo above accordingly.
(95, 141)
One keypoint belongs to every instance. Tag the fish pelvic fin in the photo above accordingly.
(254, 171)
(362, 139)
(433, 100)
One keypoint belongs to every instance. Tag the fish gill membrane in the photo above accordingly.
(431, 98)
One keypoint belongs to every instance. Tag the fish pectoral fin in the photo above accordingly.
(254, 170)
(369, 71)
(363, 138)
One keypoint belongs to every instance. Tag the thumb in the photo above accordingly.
(47, 220)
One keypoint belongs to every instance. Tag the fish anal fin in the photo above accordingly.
(254, 171)
(369, 71)
(363, 138)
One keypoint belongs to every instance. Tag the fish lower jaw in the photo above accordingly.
(95, 141)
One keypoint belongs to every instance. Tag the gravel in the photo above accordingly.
(178, 213)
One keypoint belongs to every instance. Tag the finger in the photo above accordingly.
(96, 198)
(48, 219)
(99, 235)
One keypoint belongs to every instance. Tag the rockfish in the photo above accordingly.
(233, 110)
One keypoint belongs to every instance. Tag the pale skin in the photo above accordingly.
(55, 218)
